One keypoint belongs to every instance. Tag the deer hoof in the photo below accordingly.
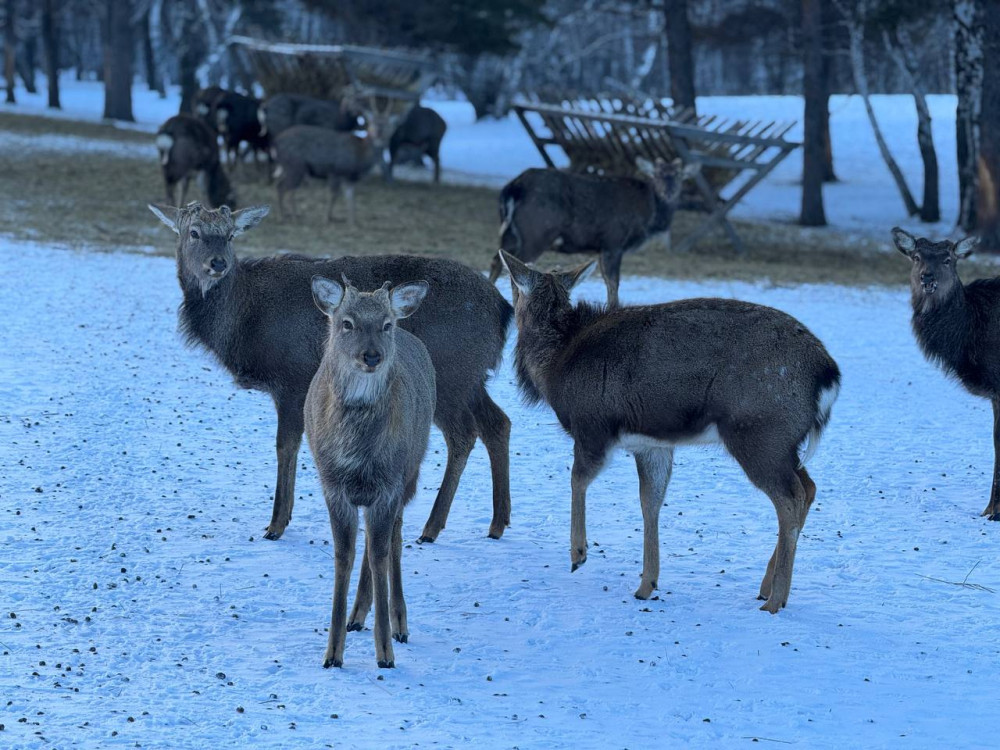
(771, 606)
(401, 637)
(353, 626)
(333, 663)
(272, 535)
(387, 665)
(577, 564)
(645, 590)
(425, 539)
(994, 517)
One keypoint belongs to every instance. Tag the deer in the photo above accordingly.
(281, 111)
(236, 122)
(420, 133)
(258, 318)
(957, 326)
(648, 379)
(368, 416)
(544, 209)
(188, 147)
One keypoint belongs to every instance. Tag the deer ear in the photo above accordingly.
(570, 279)
(406, 298)
(248, 218)
(520, 275)
(167, 214)
(905, 242)
(644, 165)
(327, 294)
(966, 247)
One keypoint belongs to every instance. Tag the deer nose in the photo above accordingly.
(926, 278)
(371, 358)
(218, 264)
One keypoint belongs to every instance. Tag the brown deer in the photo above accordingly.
(957, 325)
(368, 418)
(544, 209)
(188, 147)
(694, 371)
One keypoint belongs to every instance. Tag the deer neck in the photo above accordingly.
(208, 315)
(942, 327)
(663, 210)
(541, 341)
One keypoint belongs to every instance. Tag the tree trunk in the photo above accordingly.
(856, 35)
(155, 35)
(988, 195)
(812, 214)
(28, 59)
(900, 49)
(153, 80)
(190, 54)
(679, 53)
(50, 44)
(118, 61)
(10, 50)
(829, 42)
(968, 29)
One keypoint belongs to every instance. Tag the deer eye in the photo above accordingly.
(348, 325)
(947, 260)
(194, 234)
(386, 328)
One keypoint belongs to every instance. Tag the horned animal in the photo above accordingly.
(282, 111)
(258, 317)
(187, 148)
(341, 159)
(957, 325)
(694, 371)
(420, 133)
(544, 209)
(368, 417)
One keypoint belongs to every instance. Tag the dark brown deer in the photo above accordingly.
(957, 325)
(695, 371)
(368, 417)
(258, 317)
(420, 133)
(341, 159)
(282, 111)
(544, 209)
(237, 122)
(188, 147)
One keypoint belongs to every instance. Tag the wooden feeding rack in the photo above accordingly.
(393, 80)
(606, 136)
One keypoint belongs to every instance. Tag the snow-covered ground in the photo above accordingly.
(140, 605)
(864, 201)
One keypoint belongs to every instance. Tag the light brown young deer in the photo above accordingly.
(368, 417)
(694, 371)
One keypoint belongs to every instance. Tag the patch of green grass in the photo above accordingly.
(97, 199)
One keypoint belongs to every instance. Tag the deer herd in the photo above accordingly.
(363, 354)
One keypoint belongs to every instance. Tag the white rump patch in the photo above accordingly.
(824, 405)
(164, 143)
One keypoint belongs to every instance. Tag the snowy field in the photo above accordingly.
(141, 607)
(865, 201)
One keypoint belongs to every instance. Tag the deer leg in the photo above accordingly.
(378, 534)
(586, 465)
(993, 509)
(291, 424)
(344, 524)
(352, 218)
(363, 598)
(611, 262)
(170, 188)
(810, 490)
(334, 184)
(437, 167)
(185, 184)
(460, 437)
(654, 467)
(494, 430)
(397, 605)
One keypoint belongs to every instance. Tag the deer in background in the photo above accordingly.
(281, 111)
(237, 122)
(368, 417)
(420, 133)
(188, 147)
(258, 318)
(957, 325)
(544, 209)
(694, 371)
(339, 158)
